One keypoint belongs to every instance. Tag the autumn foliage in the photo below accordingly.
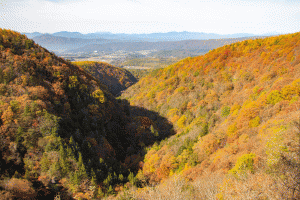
(60, 126)
(115, 78)
(217, 126)
(236, 105)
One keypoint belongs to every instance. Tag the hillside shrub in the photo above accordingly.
(181, 121)
(254, 122)
(274, 97)
(225, 111)
(196, 73)
(234, 109)
(231, 130)
(243, 163)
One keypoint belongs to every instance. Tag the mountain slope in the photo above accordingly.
(233, 110)
(61, 130)
(116, 79)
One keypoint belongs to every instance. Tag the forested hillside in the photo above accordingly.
(224, 125)
(115, 78)
(235, 111)
(63, 134)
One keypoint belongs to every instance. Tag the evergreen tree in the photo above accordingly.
(131, 178)
(101, 160)
(94, 178)
(70, 153)
(27, 110)
(80, 161)
(27, 174)
(115, 177)
(121, 177)
(45, 163)
(55, 169)
(100, 193)
(76, 178)
(71, 141)
(110, 190)
(19, 134)
(63, 161)
(107, 181)
(82, 170)
(152, 129)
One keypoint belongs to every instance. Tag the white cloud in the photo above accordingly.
(140, 16)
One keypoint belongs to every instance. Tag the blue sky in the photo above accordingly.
(148, 16)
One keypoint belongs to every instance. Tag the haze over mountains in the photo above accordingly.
(157, 46)
(75, 42)
(59, 44)
(169, 36)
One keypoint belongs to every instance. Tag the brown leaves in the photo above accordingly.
(58, 88)
(21, 188)
(38, 92)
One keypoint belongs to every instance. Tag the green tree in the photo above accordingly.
(75, 178)
(55, 170)
(110, 190)
(94, 179)
(19, 135)
(100, 193)
(225, 111)
(45, 163)
(28, 44)
(243, 163)
(108, 180)
(27, 110)
(64, 163)
(131, 178)
(204, 130)
(121, 177)
(82, 170)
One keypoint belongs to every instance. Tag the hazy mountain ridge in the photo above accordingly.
(88, 43)
(158, 46)
(60, 44)
(151, 37)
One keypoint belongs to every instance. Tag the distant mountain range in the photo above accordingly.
(60, 44)
(77, 42)
(205, 45)
(150, 37)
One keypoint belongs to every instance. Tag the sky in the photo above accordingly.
(151, 16)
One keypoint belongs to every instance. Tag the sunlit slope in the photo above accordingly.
(115, 78)
(232, 108)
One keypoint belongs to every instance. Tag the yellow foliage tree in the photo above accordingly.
(7, 115)
(98, 94)
(181, 121)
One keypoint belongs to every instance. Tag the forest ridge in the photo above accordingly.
(218, 126)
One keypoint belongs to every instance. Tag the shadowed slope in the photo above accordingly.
(115, 78)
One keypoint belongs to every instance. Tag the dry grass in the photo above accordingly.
(175, 188)
(207, 186)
